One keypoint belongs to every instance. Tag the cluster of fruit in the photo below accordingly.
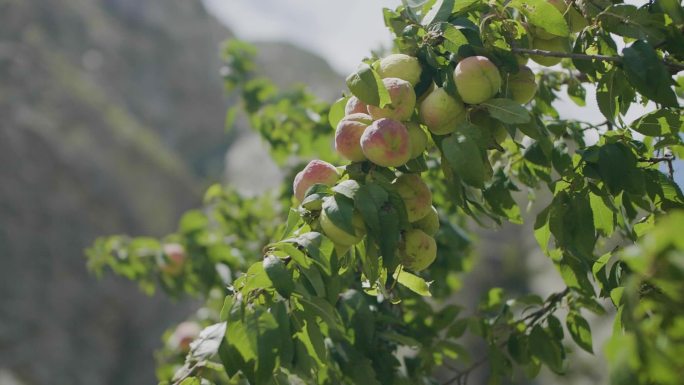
(391, 135)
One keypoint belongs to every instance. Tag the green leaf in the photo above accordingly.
(465, 158)
(207, 344)
(636, 23)
(323, 309)
(336, 112)
(614, 94)
(507, 111)
(542, 14)
(658, 123)
(604, 218)
(279, 275)
(347, 188)
(370, 198)
(340, 210)
(617, 166)
(542, 230)
(647, 73)
(367, 85)
(454, 39)
(413, 282)
(439, 12)
(546, 348)
(462, 5)
(580, 331)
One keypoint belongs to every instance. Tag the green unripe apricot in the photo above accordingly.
(522, 86)
(441, 112)
(416, 195)
(400, 66)
(429, 223)
(477, 79)
(492, 129)
(419, 250)
(557, 44)
(418, 139)
(340, 237)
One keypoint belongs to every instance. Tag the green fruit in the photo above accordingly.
(339, 236)
(522, 86)
(416, 195)
(429, 223)
(477, 79)
(419, 250)
(492, 129)
(279, 275)
(418, 139)
(400, 66)
(558, 44)
(441, 113)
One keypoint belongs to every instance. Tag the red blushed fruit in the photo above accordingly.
(185, 333)
(348, 136)
(317, 171)
(403, 101)
(355, 106)
(386, 143)
(175, 259)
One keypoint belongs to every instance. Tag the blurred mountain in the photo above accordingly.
(111, 120)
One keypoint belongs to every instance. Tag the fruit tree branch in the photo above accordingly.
(582, 56)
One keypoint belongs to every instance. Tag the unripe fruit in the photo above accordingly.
(403, 101)
(185, 333)
(355, 106)
(175, 259)
(418, 139)
(477, 79)
(429, 223)
(340, 237)
(386, 143)
(441, 113)
(317, 171)
(558, 44)
(400, 66)
(419, 250)
(522, 86)
(492, 129)
(348, 136)
(521, 59)
(416, 195)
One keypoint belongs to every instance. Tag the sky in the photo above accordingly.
(343, 32)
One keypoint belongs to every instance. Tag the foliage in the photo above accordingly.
(299, 309)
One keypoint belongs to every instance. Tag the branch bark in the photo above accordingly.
(582, 56)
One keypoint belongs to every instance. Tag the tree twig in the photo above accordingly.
(582, 56)
(461, 376)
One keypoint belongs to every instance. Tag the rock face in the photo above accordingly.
(111, 121)
(110, 111)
